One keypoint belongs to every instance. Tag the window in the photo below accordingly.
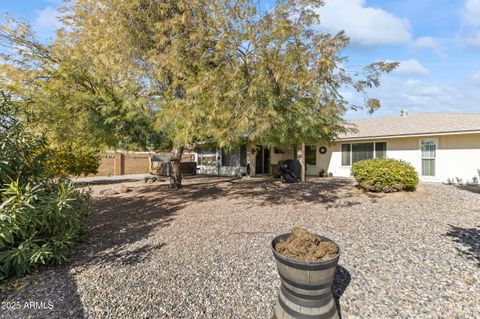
(362, 151)
(310, 154)
(352, 153)
(429, 150)
(381, 150)
(346, 154)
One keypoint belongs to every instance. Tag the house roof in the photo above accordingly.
(416, 124)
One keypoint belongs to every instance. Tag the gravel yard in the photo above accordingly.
(203, 252)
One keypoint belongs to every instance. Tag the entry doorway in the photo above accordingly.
(262, 160)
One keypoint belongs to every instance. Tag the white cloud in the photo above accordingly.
(470, 14)
(47, 21)
(396, 93)
(472, 40)
(48, 17)
(410, 67)
(433, 44)
(415, 89)
(364, 25)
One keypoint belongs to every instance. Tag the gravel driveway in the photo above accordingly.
(203, 252)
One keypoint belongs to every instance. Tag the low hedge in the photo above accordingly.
(385, 175)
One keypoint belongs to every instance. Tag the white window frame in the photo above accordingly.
(362, 142)
(434, 139)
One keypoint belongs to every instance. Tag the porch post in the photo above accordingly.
(302, 161)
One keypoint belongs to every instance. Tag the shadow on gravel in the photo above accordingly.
(340, 284)
(118, 222)
(46, 293)
(469, 238)
(470, 188)
(266, 192)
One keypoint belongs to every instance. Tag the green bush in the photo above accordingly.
(40, 224)
(385, 175)
(40, 214)
(72, 160)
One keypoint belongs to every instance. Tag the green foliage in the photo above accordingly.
(25, 157)
(22, 155)
(67, 160)
(40, 224)
(40, 217)
(385, 175)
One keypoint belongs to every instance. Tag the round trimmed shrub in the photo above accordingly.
(385, 175)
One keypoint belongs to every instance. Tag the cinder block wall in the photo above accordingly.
(124, 163)
(106, 164)
(135, 163)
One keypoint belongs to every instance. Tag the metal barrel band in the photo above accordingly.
(304, 286)
(297, 315)
(318, 302)
(305, 296)
(312, 267)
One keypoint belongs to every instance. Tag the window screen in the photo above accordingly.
(362, 151)
(346, 154)
(381, 150)
(429, 150)
(310, 154)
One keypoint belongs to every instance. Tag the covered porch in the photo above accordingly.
(254, 159)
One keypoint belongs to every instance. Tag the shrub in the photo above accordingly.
(385, 175)
(72, 160)
(40, 224)
(40, 216)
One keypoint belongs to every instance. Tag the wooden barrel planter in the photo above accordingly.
(306, 287)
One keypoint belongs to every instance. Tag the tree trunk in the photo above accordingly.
(175, 173)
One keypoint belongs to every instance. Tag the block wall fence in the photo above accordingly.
(124, 163)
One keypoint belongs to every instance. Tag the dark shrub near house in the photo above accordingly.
(385, 175)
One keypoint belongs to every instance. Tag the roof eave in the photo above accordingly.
(360, 138)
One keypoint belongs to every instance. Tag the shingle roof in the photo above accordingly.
(414, 124)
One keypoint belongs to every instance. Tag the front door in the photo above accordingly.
(262, 160)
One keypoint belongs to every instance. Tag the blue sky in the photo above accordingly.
(437, 43)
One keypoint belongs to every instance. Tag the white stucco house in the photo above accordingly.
(441, 147)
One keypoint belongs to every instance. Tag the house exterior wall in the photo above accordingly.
(458, 156)
(275, 158)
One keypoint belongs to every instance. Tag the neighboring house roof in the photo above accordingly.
(416, 124)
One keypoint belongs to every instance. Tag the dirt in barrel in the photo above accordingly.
(303, 245)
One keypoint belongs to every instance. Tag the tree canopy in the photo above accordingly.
(146, 74)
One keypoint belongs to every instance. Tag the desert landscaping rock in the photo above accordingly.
(122, 189)
(203, 252)
(108, 192)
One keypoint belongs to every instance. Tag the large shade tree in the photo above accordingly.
(139, 73)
